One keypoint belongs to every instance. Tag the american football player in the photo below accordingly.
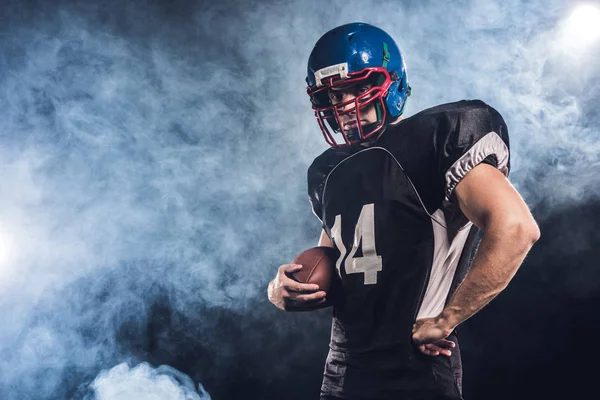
(403, 200)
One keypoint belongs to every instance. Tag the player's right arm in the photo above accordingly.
(289, 295)
(284, 292)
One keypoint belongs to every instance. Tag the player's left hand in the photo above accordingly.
(430, 337)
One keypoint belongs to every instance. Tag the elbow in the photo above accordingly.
(529, 230)
(525, 231)
(534, 232)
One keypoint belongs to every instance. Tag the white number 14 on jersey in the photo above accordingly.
(364, 236)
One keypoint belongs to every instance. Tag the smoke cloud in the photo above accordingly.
(153, 166)
(145, 383)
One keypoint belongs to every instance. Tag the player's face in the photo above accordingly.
(342, 94)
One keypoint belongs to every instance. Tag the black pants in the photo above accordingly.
(328, 397)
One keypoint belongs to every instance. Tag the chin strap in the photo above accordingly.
(353, 134)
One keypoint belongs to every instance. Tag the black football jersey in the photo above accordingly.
(404, 245)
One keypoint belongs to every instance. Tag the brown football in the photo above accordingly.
(318, 266)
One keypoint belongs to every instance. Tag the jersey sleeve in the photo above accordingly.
(317, 177)
(315, 191)
(476, 134)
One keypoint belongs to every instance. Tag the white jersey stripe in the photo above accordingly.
(445, 259)
(487, 145)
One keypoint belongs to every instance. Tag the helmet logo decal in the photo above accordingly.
(365, 57)
(386, 55)
(332, 70)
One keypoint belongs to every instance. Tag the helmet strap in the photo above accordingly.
(386, 55)
(386, 59)
(379, 112)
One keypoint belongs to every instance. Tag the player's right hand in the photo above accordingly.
(289, 295)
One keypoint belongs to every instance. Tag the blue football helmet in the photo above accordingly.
(355, 54)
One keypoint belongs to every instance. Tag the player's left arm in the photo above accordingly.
(488, 200)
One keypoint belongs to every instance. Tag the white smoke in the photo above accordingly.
(156, 151)
(143, 382)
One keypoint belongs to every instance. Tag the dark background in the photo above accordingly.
(153, 159)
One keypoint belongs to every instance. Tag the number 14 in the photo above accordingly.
(370, 262)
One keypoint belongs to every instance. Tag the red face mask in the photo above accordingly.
(330, 116)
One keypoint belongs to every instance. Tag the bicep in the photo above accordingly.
(485, 196)
(324, 240)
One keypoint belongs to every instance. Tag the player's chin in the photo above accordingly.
(353, 125)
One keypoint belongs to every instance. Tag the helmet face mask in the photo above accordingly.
(352, 55)
(332, 117)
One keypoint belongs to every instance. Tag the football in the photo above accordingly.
(318, 264)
